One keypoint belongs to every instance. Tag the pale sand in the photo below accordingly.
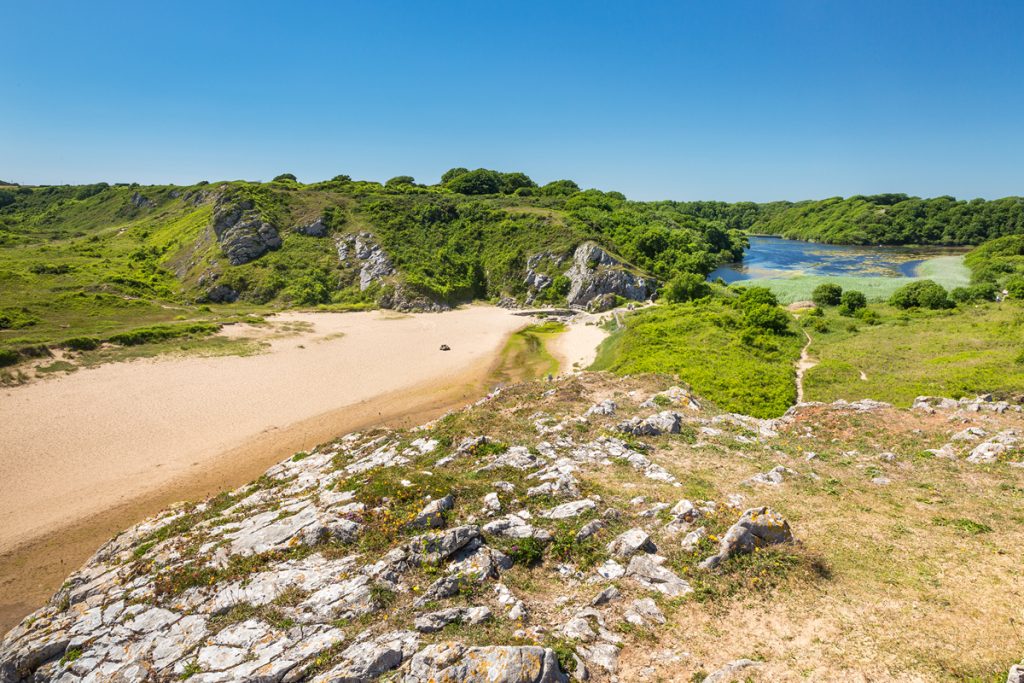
(86, 454)
(576, 348)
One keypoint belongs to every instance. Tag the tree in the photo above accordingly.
(921, 294)
(400, 180)
(686, 287)
(560, 187)
(452, 173)
(285, 176)
(510, 182)
(480, 181)
(827, 294)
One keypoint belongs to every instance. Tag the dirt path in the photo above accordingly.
(85, 455)
(802, 366)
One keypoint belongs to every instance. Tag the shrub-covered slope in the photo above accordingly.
(101, 258)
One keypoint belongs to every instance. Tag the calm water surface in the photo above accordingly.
(774, 257)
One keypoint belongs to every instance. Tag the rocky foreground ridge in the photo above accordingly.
(566, 530)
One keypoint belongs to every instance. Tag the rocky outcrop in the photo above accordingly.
(314, 228)
(595, 276)
(241, 230)
(757, 528)
(140, 201)
(363, 251)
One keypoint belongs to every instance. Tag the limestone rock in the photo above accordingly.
(665, 422)
(648, 571)
(631, 542)
(756, 528)
(314, 228)
(241, 231)
(433, 514)
(498, 664)
(435, 621)
(730, 671)
(594, 273)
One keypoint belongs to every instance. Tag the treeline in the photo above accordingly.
(892, 219)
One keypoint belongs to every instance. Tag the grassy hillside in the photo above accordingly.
(975, 349)
(98, 260)
(717, 347)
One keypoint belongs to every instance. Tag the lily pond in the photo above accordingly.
(793, 268)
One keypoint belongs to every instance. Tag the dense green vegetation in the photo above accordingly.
(894, 219)
(735, 350)
(98, 260)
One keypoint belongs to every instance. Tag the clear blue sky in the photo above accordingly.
(725, 100)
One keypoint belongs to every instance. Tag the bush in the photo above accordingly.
(868, 316)
(766, 317)
(312, 289)
(827, 294)
(81, 343)
(983, 291)
(921, 294)
(8, 357)
(16, 319)
(1015, 287)
(686, 287)
(285, 176)
(146, 335)
(853, 300)
(750, 296)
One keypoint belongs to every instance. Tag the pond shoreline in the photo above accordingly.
(793, 268)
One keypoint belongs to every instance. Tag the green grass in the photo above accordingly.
(948, 271)
(525, 355)
(703, 343)
(962, 352)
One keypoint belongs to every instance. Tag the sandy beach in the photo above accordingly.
(84, 455)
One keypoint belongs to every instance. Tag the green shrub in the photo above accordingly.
(16, 319)
(921, 294)
(853, 300)
(827, 294)
(1015, 287)
(867, 315)
(147, 335)
(766, 317)
(686, 287)
(81, 343)
(312, 289)
(8, 357)
(983, 291)
(753, 296)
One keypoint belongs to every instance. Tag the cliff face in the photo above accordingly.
(577, 528)
(597, 278)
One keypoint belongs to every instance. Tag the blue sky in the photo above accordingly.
(753, 100)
